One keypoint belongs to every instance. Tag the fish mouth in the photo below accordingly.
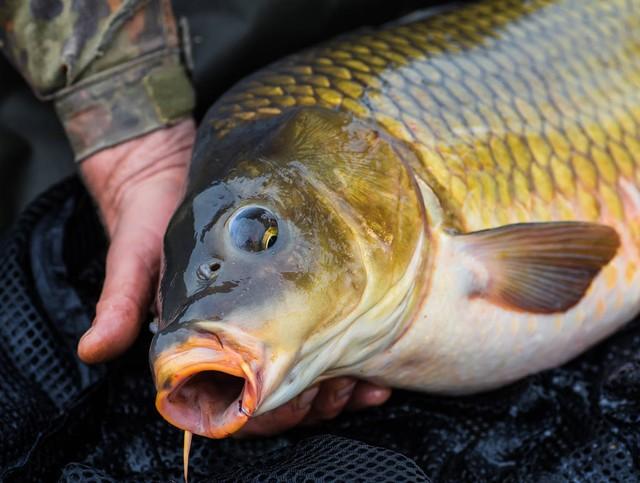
(207, 385)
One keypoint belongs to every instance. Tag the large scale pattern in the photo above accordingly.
(515, 108)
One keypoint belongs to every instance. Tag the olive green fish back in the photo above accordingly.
(519, 110)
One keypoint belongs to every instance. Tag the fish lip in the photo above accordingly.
(177, 365)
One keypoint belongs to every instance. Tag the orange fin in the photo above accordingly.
(539, 267)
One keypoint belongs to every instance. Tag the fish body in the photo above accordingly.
(444, 205)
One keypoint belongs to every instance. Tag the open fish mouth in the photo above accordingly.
(207, 385)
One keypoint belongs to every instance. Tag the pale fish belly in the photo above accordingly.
(457, 344)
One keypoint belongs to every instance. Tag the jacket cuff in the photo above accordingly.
(143, 95)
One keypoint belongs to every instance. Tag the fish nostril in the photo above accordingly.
(208, 271)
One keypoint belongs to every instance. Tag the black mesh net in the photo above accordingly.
(64, 421)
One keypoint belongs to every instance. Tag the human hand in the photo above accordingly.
(137, 186)
(320, 402)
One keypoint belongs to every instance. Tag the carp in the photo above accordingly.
(446, 204)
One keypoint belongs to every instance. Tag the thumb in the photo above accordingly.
(132, 266)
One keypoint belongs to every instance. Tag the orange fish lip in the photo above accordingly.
(198, 385)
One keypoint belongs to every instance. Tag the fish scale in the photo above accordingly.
(445, 204)
(518, 110)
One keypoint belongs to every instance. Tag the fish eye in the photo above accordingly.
(254, 229)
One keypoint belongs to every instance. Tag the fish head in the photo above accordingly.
(291, 229)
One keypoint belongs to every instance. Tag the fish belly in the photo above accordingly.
(456, 344)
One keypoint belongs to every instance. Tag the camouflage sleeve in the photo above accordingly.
(112, 67)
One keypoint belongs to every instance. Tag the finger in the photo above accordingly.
(332, 398)
(367, 394)
(131, 270)
(280, 419)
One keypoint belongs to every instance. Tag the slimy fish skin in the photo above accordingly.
(445, 205)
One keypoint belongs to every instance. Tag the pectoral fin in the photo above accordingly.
(539, 267)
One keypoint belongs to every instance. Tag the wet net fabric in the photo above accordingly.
(63, 421)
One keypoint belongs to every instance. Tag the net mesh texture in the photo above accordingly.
(64, 421)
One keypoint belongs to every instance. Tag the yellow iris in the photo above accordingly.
(270, 236)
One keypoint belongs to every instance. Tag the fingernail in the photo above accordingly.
(306, 398)
(344, 392)
(378, 396)
(84, 336)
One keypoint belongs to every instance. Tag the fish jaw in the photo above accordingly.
(208, 383)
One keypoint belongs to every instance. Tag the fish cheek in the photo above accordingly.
(332, 284)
